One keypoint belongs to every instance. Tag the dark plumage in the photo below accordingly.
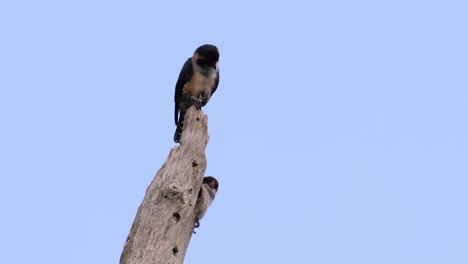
(197, 82)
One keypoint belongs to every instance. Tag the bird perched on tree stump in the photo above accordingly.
(197, 82)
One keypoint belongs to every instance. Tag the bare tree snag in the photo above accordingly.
(164, 223)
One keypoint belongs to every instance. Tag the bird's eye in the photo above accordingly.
(201, 62)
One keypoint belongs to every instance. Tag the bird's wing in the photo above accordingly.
(184, 76)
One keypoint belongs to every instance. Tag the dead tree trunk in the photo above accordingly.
(164, 223)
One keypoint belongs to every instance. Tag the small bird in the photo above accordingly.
(205, 198)
(197, 82)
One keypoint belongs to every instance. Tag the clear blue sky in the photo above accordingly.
(339, 130)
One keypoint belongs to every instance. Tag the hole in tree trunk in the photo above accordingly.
(176, 215)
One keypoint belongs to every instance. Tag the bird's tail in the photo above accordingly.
(180, 125)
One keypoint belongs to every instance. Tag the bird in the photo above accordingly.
(197, 82)
(205, 197)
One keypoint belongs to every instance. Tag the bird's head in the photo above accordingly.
(211, 182)
(206, 56)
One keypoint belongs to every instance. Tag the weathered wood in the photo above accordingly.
(164, 223)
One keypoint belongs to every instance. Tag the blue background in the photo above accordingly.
(338, 132)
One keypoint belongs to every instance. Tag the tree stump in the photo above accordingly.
(165, 220)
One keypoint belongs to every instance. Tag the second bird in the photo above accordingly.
(197, 82)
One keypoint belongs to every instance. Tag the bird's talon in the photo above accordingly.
(197, 103)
